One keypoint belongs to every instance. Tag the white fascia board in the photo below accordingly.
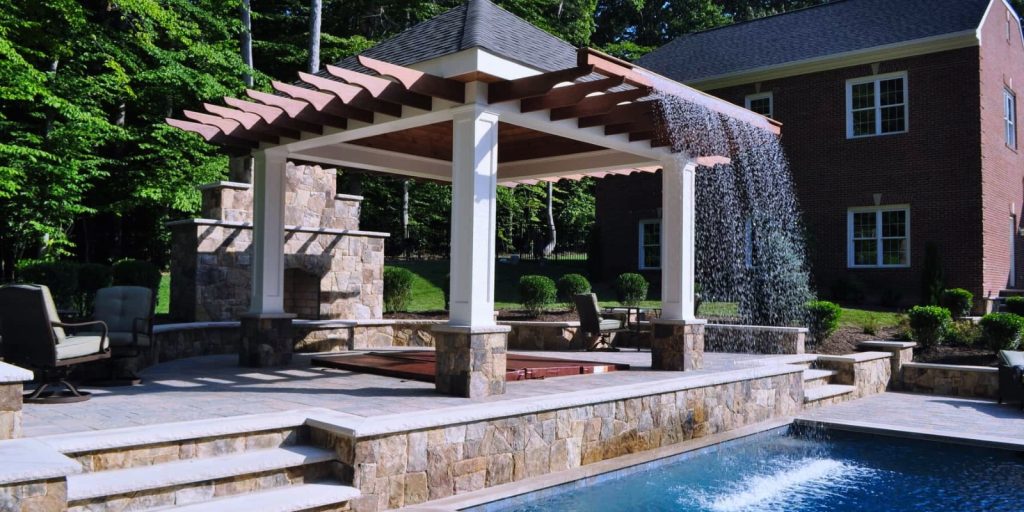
(373, 159)
(475, 60)
(565, 165)
(922, 46)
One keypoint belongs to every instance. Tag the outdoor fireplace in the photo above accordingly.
(302, 294)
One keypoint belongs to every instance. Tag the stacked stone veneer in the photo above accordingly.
(212, 256)
(412, 465)
(950, 380)
(11, 390)
(868, 372)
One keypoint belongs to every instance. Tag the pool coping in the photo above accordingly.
(924, 434)
(539, 483)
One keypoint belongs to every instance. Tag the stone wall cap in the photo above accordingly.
(269, 316)
(291, 229)
(474, 329)
(237, 185)
(763, 328)
(667, 321)
(887, 344)
(28, 460)
(421, 420)
(348, 197)
(194, 326)
(952, 367)
(10, 373)
(856, 357)
(928, 434)
(527, 323)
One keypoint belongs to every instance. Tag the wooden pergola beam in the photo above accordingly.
(642, 124)
(298, 109)
(324, 102)
(351, 95)
(418, 81)
(212, 134)
(274, 116)
(599, 104)
(230, 127)
(250, 121)
(531, 86)
(620, 114)
(610, 66)
(382, 88)
(569, 95)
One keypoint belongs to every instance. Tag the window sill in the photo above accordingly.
(877, 267)
(874, 135)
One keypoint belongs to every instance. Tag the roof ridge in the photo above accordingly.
(828, 3)
(470, 35)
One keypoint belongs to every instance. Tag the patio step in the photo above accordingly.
(188, 481)
(827, 394)
(816, 378)
(293, 498)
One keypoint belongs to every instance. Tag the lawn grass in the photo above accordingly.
(859, 317)
(163, 295)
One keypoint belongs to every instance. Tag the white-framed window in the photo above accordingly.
(876, 105)
(878, 236)
(1010, 117)
(762, 103)
(650, 244)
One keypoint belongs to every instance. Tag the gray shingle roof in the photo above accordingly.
(474, 24)
(837, 27)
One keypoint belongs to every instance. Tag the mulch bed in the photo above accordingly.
(510, 315)
(844, 341)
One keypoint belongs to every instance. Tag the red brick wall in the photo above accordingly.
(935, 168)
(1002, 66)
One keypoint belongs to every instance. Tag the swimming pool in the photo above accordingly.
(801, 470)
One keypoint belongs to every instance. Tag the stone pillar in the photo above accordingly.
(471, 360)
(11, 390)
(677, 239)
(266, 340)
(677, 345)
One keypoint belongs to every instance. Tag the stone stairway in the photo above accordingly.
(819, 389)
(234, 464)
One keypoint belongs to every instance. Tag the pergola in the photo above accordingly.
(478, 121)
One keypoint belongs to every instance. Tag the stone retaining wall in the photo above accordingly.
(543, 335)
(754, 339)
(869, 372)
(11, 390)
(412, 465)
(950, 380)
(35, 496)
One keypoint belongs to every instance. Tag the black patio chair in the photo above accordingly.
(127, 312)
(34, 338)
(598, 331)
(1011, 376)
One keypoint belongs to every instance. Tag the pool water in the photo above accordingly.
(805, 471)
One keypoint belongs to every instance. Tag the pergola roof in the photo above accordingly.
(590, 118)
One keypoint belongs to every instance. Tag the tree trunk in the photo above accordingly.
(315, 9)
(246, 41)
(405, 217)
(550, 247)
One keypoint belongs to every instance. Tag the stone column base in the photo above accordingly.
(266, 340)
(677, 345)
(471, 360)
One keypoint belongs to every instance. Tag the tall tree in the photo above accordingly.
(315, 10)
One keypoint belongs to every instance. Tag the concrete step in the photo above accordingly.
(293, 498)
(816, 378)
(198, 479)
(829, 391)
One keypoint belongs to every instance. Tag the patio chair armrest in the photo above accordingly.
(104, 344)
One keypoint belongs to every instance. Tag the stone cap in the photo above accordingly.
(237, 185)
(856, 357)
(348, 197)
(467, 329)
(667, 321)
(194, 326)
(10, 373)
(887, 344)
(527, 323)
(953, 367)
(29, 460)
(762, 328)
(293, 229)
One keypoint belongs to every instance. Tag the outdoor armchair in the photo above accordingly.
(596, 330)
(35, 338)
(1011, 376)
(127, 311)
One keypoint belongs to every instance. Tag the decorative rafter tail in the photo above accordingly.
(531, 86)
(418, 81)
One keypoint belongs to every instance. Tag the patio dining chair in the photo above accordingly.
(128, 312)
(35, 338)
(597, 330)
(1011, 376)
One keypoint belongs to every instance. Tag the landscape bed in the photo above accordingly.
(797, 468)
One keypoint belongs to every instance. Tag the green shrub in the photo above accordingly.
(91, 277)
(823, 319)
(397, 288)
(136, 273)
(631, 289)
(929, 324)
(958, 301)
(536, 292)
(1002, 331)
(870, 325)
(1015, 305)
(61, 277)
(570, 285)
(963, 333)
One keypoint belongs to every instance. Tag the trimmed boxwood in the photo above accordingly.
(958, 301)
(929, 324)
(823, 319)
(631, 289)
(61, 277)
(570, 285)
(536, 292)
(1015, 305)
(1002, 331)
(397, 289)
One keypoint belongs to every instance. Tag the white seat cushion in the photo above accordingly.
(78, 346)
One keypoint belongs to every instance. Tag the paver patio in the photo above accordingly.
(215, 386)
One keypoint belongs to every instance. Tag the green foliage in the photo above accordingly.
(136, 273)
(963, 333)
(631, 289)
(1002, 331)
(536, 292)
(958, 301)
(870, 325)
(570, 285)
(929, 324)
(397, 289)
(932, 281)
(1015, 305)
(61, 277)
(823, 319)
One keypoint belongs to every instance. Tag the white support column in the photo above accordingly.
(268, 234)
(678, 239)
(474, 197)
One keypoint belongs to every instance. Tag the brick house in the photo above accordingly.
(900, 126)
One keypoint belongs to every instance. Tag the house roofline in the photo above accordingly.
(934, 44)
